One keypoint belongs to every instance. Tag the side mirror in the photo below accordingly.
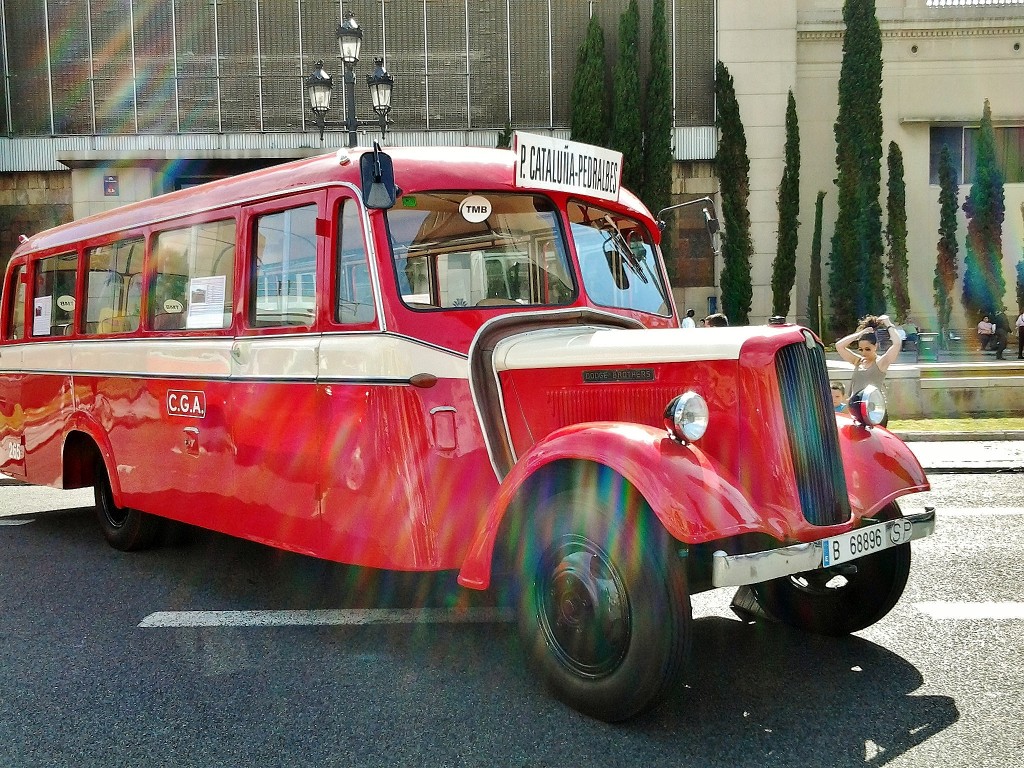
(377, 177)
(710, 222)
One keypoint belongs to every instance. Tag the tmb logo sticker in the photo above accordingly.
(182, 402)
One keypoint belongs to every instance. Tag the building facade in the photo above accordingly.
(108, 101)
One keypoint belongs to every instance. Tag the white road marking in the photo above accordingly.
(327, 617)
(17, 522)
(964, 611)
(979, 511)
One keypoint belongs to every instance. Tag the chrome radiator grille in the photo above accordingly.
(813, 438)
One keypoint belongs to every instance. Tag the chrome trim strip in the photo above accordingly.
(737, 570)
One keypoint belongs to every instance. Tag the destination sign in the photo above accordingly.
(544, 162)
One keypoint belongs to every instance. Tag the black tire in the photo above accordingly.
(124, 528)
(829, 604)
(603, 609)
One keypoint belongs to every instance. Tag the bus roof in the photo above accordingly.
(416, 169)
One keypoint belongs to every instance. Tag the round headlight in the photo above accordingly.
(686, 417)
(867, 407)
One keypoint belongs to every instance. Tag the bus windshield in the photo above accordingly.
(457, 249)
(618, 260)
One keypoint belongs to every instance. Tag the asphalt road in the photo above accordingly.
(937, 682)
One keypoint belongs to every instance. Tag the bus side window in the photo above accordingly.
(16, 321)
(193, 277)
(112, 269)
(355, 293)
(53, 300)
(283, 283)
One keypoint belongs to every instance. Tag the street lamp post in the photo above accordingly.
(380, 83)
(318, 86)
(350, 39)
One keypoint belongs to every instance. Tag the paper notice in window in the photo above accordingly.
(206, 302)
(41, 314)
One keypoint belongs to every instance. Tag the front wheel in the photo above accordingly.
(836, 602)
(603, 608)
(124, 528)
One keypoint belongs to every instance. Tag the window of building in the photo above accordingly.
(193, 278)
(283, 289)
(113, 288)
(53, 298)
(962, 141)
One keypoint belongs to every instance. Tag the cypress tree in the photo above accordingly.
(733, 167)
(784, 266)
(657, 154)
(897, 266)
(984, 285)
(626, 124)
(855, 279)
(588, 118)
(814, 289)
(1020, 286)
(947, 258)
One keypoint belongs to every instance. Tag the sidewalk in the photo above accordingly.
(976, 455)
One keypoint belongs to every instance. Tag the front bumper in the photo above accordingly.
(737, 570)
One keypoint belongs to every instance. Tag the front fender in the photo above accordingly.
(691, 493)
(879, 467)
(685, 488)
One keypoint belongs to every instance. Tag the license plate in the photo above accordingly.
(864, 541)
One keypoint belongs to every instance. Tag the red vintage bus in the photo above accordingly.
(464, 360)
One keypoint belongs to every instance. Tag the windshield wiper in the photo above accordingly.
(635, 265)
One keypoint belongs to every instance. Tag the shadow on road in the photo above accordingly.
(776, 696)
(757, 695)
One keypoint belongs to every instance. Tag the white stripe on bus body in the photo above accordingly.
(294, 357)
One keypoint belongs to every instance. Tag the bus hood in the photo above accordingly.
(586, 346)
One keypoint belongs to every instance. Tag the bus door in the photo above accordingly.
(275, 426)
(12, 415)
(46, 392)
(395, 412)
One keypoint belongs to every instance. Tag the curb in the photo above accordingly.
(975, 470)
(940, 437)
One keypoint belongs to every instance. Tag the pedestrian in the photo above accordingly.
(717, 320)
(868, 366)
(986, 332)
(838, 396)
(1020, 336)
(688, 321)
(999, 336)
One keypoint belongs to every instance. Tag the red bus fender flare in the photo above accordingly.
(690, 492)
(879, 467)
(84, 423)
(686, 489)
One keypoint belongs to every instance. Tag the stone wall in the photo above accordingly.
(31, 202)
(948, 391)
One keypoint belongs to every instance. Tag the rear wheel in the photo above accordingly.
(124, 528)
(603, 608)
(837, 602)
